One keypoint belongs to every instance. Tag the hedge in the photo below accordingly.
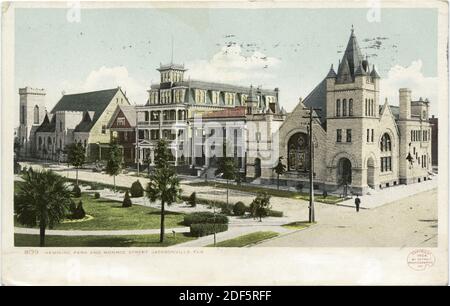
(275, 213)
(204, 217)
(204, 229)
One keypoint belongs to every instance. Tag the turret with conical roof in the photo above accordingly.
(352, 57)
(251, 101)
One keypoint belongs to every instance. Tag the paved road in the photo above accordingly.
(410, 222)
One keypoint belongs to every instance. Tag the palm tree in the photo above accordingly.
(43, 199)
(164, 183)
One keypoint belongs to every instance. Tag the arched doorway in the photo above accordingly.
(370, 173)
(257, 167)
(344, 173)
(298, 152)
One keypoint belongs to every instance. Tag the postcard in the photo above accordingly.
(224, 143)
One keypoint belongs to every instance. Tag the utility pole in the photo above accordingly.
(311, 163)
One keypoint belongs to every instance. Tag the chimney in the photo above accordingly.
(405, 103)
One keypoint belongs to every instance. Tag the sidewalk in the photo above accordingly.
(35, 231)
(392, 194)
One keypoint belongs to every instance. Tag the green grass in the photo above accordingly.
(297, 225)
(245, 240)
(273, 192)
(23, 240)
(110, 215)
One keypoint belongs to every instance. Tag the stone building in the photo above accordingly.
(244, 133)
(357, 141)
(82, 117)
(174, 100)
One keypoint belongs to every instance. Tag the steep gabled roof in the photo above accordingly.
(95, 101)
(317, 98)
(47, 125)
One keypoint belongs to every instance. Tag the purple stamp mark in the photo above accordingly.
(420, 259)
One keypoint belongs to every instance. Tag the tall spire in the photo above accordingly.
(352, 55)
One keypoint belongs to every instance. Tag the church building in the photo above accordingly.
(358, 141)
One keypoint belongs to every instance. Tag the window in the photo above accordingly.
(338, 135)
(103, 129)
(371, 138)
(121, 121)
(386, 164)
(22, 114)
(386, 143)
(350, 107)
(344, 108)
(368, 135)
(349, 135)
(338, 108)
(366, 108)
(215, 97)
(36, 114)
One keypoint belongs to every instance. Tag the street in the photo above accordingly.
(410, 222)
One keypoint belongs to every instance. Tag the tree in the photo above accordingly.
(126, 200)
(227, 168)
(260, 206)
(76, 155)
(164, 183)
(279, 169)
(43, 199)
(114, 164)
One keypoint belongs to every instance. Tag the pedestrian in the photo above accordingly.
(357, 202)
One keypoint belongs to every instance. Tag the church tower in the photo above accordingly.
(31, 113)
(351, 116)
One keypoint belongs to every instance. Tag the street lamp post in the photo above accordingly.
(214, 207)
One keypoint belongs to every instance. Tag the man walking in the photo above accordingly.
(357, 202)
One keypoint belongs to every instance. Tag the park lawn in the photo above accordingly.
(245, 240)
(298, 225)
(273, 192)
(24, 240)
(110, 215)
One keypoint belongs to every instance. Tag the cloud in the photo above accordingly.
(410, 77)
(110, 77)
(230, 64)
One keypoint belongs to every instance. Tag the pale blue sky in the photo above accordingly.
(300, 45)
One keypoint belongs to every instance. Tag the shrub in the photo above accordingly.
(260, 207)
(204, 217)
(72, 208)
(79, 211)
(204, 229)
(192, 200)
(275, 213)
(300, 186)
(239, 209)
(226, 210)
(76, 191)
(96, 186)
(24, 169)
(97, 195)
(126, 200)
(136, 190)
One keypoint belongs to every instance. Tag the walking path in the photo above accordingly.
(35, 231)
(327, 215)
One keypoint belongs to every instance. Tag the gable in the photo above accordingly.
(120, 121)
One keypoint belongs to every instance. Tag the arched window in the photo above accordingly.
(338, 108)
(350, 107)
(386, 155)
(344, 108)
(386, 143)
(36, 115)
